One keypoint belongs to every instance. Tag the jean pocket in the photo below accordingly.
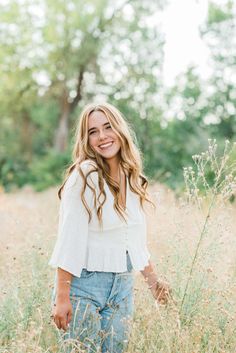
(86, 274)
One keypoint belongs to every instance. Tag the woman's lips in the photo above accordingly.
(105, 145)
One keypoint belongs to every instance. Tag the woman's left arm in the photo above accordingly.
(160, 290)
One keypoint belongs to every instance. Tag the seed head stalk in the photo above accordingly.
(220, 170)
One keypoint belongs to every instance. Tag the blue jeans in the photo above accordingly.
(102, 311)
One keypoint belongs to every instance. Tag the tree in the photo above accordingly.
(58, 55)
(220, 33)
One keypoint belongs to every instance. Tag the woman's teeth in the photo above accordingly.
(105, 145)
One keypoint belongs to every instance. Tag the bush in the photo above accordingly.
(14, 172)
(48, 170)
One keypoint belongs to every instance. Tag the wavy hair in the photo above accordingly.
(130, 160)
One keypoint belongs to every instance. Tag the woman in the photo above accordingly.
(101, 236)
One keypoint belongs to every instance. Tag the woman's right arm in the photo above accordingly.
(62, 310)
(69, 253)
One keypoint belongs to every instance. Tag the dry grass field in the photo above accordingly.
(203, 317)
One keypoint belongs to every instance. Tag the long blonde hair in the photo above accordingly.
(130, 160)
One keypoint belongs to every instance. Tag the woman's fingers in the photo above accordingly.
(163, 293)
(57, 322)
(63, 323)
(61, 319)
(69, 317)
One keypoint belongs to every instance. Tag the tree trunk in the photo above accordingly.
(62, 133)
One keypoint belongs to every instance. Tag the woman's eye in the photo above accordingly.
(108, 127)
(92, 132)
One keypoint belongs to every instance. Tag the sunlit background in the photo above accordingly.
(169, 66)
(181, 21)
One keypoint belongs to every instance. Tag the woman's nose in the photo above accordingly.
(102, 135)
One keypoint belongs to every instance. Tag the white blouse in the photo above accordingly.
(81, 244)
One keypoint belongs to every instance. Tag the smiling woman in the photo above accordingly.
(102, 137)
(101, 235)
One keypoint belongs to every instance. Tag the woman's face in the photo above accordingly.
(102, 138)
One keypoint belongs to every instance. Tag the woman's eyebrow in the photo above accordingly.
(93, 128)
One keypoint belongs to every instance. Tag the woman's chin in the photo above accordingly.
(108, 154)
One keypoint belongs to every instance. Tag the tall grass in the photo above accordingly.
(202, 319)
(199, 263)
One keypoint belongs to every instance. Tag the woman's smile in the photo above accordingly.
(102, 138)
(106, 145)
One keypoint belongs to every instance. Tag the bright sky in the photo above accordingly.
(184, 46)
(180, 22)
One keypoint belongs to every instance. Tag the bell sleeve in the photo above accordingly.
(71, 245)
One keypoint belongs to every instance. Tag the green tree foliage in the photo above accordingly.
(55, 57)
(198, 109)
(58, 55)
(220, 35)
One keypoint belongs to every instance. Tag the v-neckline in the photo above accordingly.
(126, 192)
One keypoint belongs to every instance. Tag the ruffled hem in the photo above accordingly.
(75, 271)
(106, 260)
(115, 259)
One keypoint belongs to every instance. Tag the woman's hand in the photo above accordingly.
(161, 291)
(62, 313)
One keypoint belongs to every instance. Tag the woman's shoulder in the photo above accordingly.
(86, 167)
(89, 169)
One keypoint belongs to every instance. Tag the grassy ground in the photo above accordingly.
(203, 319)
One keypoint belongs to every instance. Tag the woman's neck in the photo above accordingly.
(114, 164)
